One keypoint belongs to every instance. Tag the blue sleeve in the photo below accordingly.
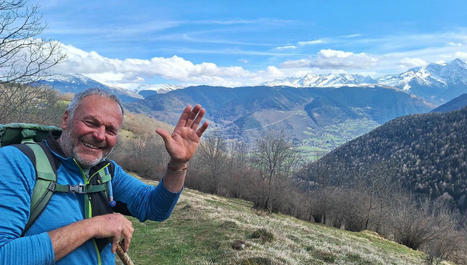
(143, 201)
(17, 179)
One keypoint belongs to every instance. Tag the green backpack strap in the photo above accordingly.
(46, 182)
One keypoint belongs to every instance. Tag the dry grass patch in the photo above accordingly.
(203, 228)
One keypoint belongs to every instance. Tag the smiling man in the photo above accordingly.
(80, 227)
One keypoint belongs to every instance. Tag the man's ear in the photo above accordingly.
(65, 118)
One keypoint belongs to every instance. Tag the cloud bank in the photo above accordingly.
(134, 73)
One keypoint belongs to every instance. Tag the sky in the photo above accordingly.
(145, 44)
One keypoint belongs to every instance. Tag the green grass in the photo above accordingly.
(203, 227)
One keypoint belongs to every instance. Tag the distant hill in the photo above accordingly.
(455, 104)
(426, 153)
(320, 117)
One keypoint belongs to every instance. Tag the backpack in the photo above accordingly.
(27, 138)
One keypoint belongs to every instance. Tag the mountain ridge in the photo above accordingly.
(309, 116)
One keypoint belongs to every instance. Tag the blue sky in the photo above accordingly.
(137, 44)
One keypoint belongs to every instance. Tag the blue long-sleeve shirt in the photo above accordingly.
(17, 180)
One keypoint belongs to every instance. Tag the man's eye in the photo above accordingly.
(90, 123)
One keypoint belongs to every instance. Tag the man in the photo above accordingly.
(62, 233)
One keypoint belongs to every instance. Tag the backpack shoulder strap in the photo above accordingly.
(46, 179)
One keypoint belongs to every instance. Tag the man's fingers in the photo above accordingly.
(192, 115)
(203, 128)
(115, 241)
(184, 117)
(164, 134)
(198, 118)
(127, 235)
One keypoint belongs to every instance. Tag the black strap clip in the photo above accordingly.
(51, 186)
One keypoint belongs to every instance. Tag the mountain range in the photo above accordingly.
(436, 83)
(321, 118)
(319, 112)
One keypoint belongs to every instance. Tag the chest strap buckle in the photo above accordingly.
(77, 188)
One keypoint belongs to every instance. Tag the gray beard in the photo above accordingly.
(69, 149)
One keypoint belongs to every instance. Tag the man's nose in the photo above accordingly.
(99, 133)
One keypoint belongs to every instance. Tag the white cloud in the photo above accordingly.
(311, 42)
(412, 62)
(458, 44)
(351, 36)
(461, 55)
(334, 59)
(132, 73)
(287, 47)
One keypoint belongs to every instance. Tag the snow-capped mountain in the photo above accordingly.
(157, 89)
(75, 83)
(323, 80)
(436, 83)
(454, 72)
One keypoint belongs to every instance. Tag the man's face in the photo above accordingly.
(91, 133)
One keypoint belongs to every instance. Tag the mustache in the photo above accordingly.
(92, 141)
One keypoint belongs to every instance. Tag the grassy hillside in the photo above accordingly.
(203, 228)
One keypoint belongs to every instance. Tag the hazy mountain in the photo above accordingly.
(425, 153)
(320, 117)
(455, 104)
(75, 83)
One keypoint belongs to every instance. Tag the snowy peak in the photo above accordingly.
(323, 80)
(69, 78)
(420, 76)
(75, 83)
(158, 88)
(437, 83)
(435, 75)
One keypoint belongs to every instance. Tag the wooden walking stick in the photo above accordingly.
(124, 256)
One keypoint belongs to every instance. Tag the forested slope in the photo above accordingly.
(425, 153)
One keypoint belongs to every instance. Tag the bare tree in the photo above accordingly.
(23, 57)
(213, 156)
(23, 103)
(275, 158)
(239, 182)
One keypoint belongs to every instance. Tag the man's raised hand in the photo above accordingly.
(184, 140)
